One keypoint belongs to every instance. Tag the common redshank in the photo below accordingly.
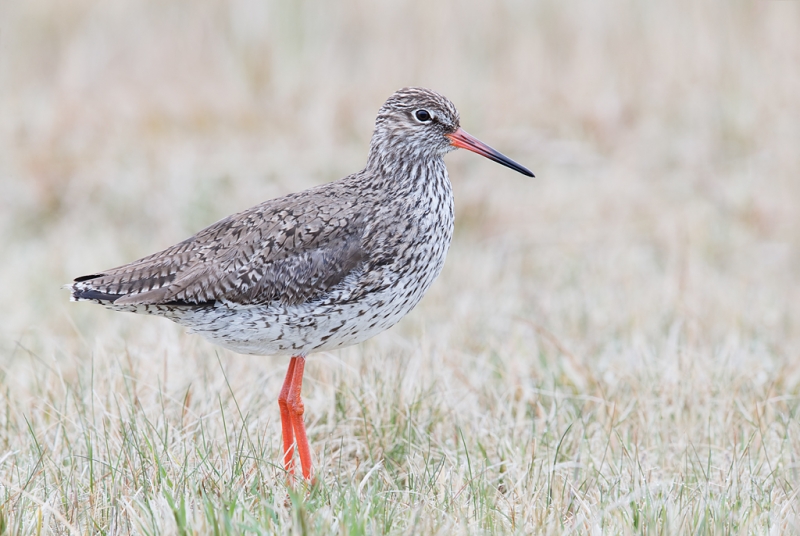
(315, 270)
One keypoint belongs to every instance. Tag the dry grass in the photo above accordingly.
(613, 347)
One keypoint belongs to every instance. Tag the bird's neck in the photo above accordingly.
(406, 171)
(403, 165)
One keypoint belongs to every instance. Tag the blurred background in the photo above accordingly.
(665, 138)
(641, 293)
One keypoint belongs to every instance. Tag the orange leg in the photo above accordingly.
(295, 403)
(286, 419)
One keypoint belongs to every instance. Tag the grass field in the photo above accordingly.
(612, 348)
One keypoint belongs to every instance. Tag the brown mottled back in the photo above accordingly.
(288, 249)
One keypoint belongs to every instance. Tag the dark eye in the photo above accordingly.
(423, 115)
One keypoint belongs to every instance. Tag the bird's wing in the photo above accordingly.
(286, 250)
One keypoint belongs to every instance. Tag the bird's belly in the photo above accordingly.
(336, 321)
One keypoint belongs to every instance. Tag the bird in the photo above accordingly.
(315, 270)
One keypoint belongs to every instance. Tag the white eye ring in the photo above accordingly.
(423, 116)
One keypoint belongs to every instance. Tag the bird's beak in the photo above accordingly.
(461, 139)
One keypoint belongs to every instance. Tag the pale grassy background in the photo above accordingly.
(613, 347)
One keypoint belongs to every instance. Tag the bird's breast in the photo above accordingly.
(412, 231)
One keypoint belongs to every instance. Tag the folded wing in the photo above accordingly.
(287, 250)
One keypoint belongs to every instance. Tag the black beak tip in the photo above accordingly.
(522, 169)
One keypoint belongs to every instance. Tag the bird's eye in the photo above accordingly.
(423, 115)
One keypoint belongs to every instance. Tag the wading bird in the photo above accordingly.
(315, 270)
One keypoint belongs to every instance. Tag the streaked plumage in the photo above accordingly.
(318, 269)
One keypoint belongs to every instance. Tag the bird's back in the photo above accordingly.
(287, 249)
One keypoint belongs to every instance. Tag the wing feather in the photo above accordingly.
(286, 250)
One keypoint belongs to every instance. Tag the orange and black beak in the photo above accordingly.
(461, 139)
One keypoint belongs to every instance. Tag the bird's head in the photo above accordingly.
(420, 123)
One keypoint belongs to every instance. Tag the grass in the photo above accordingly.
(612, 347)
(108, 450)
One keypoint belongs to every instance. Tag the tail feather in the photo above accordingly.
(93, 295)
(82, 290)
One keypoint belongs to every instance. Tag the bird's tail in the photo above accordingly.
(82, 289)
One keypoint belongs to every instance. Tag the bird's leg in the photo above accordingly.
(286, 419)
(296, 412)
